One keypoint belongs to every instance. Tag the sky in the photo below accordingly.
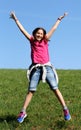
(64, 45)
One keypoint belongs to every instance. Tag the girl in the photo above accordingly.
(41, 67)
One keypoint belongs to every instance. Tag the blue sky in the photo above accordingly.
(64, 45)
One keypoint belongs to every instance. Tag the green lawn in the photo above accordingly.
(44, 111)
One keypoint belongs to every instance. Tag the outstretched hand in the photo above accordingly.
(13, 16)
(65, 14)
(61, 17)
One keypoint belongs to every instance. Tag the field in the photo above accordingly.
(44, 111)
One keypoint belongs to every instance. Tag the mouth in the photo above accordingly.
(38, 38)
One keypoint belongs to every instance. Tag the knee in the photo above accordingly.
(31, 92)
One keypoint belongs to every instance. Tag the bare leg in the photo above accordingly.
(60, 97)
(22, 115)
(28, 99)
(67, 115)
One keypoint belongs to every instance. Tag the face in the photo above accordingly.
(39, 35)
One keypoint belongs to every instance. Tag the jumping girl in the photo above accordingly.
(41, 67)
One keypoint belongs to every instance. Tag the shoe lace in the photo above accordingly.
(21, 114)
(66, 112)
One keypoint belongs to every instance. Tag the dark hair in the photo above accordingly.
(38, 28)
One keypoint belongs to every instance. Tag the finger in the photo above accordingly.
(66, 13)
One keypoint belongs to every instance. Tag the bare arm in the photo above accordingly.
(52, 30)
(26, 34)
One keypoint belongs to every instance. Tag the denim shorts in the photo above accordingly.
(36, 75)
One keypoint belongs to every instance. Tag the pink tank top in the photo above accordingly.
(39, 51)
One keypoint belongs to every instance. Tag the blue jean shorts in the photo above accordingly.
(36, 75)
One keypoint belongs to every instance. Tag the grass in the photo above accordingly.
(44, 111)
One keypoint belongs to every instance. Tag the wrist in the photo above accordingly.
(59, 19)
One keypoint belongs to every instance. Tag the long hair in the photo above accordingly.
(38, 28)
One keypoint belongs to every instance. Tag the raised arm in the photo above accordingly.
(26, 34)
(52, 30)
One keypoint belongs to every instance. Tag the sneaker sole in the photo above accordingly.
(68, 119)
(23, 119)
